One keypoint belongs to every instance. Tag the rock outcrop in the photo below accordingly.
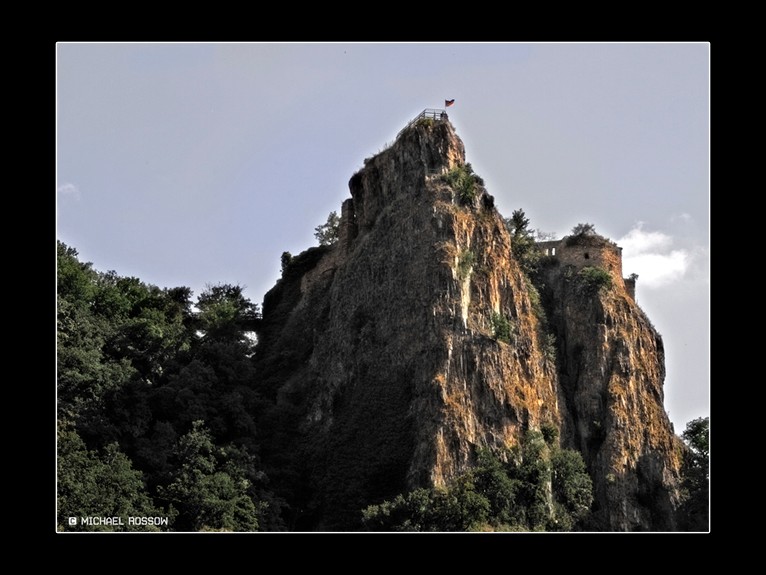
(610, 380)
(392, 355)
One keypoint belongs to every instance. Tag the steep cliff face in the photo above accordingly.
(611, 376)
(393, 354)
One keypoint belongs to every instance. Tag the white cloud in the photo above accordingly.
(684, 217)
(68, 191)
(650, 255)
(637, 241)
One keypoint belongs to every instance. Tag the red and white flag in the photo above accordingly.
(448, 103)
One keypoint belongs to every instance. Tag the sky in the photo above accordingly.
(194, 164)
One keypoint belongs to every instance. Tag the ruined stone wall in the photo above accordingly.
(588, 251)
(630, 287)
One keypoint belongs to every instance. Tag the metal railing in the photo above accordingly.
(427, 114)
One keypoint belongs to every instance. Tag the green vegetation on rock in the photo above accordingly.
(465, 183)
(533, 487)
(593, 279)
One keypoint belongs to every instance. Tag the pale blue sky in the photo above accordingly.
(190, 164)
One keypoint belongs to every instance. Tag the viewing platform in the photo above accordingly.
(427, 114)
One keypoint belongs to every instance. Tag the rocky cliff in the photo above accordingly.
(392, 355)
(610, 380)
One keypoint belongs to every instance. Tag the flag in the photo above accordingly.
(448, 103)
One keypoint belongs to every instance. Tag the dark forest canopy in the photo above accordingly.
(157, 405)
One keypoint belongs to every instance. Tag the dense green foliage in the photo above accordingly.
(327, 233)
(103, 484)
(523, 245)
(586, 235)
(533, 487)
(695, 512)
(529, 257)
(593, 279)
(584, 229)
(209, 484)
(157, 403)
(503, 329)
(463, 180)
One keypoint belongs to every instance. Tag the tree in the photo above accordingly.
(584, 230)
(592, 279)
(92, 484)
(135, 369)
(697, 437)
(327, 234)
(214, 379)
(493, 481)
(572, 489)
(458, 508)
(209, 487)
(285, 261)
(533, 468)
(86, 372)
(74, 280)
(225, 312)
(518, 223)
(533, 487)
(695, 474)
(523, 246)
